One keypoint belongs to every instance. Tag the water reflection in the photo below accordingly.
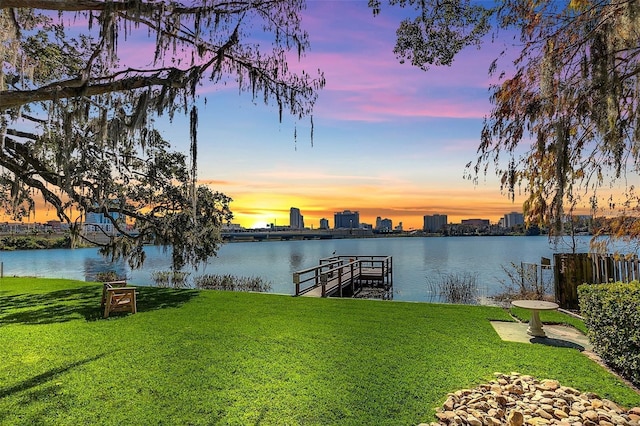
(295, 260)
(96, 265)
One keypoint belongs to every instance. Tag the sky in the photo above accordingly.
(389, 139)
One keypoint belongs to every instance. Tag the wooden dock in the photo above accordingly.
(347, 276)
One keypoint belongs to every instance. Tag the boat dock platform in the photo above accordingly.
(347, 276)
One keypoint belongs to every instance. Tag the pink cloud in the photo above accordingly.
(365, 81)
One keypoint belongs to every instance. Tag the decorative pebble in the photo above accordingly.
(518, 400)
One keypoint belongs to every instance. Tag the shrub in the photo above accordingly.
(33, 242)
(525, 281)
(456, 288)
(612, 316)
(231, 283)
(107, 276)
(175, 279)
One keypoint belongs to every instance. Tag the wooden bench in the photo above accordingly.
(118, 298)
(110, 284)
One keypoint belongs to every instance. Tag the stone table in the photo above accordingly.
(535, 306)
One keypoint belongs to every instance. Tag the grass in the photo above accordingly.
(210, 357)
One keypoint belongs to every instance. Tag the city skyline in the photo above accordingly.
(351, 219)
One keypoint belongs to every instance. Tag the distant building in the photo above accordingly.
(296, 220)
(478, 223)
(54, 225)
(232, 227)
(384, 225)
(399, 227)
(434, 223)
(324, 223)
(513, 219)
(99, 222)
(577, 218)
(346, 220)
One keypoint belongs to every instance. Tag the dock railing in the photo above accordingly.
(329, 273)
(334, 273)
(369, 267)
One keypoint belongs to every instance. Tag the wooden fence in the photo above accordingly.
(574, 269)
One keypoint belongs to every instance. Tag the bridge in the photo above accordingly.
(294, 234)
(347, 276)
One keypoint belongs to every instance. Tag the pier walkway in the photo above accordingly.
(346, 276)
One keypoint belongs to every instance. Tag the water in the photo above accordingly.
(417, 261)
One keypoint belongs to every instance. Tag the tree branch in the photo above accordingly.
(68, 89)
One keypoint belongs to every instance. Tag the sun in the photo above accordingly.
(259, 225)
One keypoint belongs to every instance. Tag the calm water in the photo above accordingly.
(417, 261)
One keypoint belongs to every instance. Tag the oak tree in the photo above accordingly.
(565, 122)
(77, 121)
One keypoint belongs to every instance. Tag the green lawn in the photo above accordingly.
(191, 357)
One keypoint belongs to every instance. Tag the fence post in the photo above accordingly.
(570, 271)
(323, 280)
(296, 281)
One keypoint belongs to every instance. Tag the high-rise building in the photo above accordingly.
(100, 222)
(324, 223)
(296, 220)
(346, 220)
(513, 219)
(434, 223)
(384, 225)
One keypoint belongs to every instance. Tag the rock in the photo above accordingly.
(590, 415)
(570, 391)
(492, 421)
(516, 400)
(541, 412)
(596, 403)
(538, 421)
(551, 384)
(496, 388)
(547, 408)
(515, 418)
(450, 415)
(579, 407)
(604, 417)
(501, 400)
(449, 404)
(612, 406)
(473, 421)
(618, 420)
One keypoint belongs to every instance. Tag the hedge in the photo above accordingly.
(612, 317)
